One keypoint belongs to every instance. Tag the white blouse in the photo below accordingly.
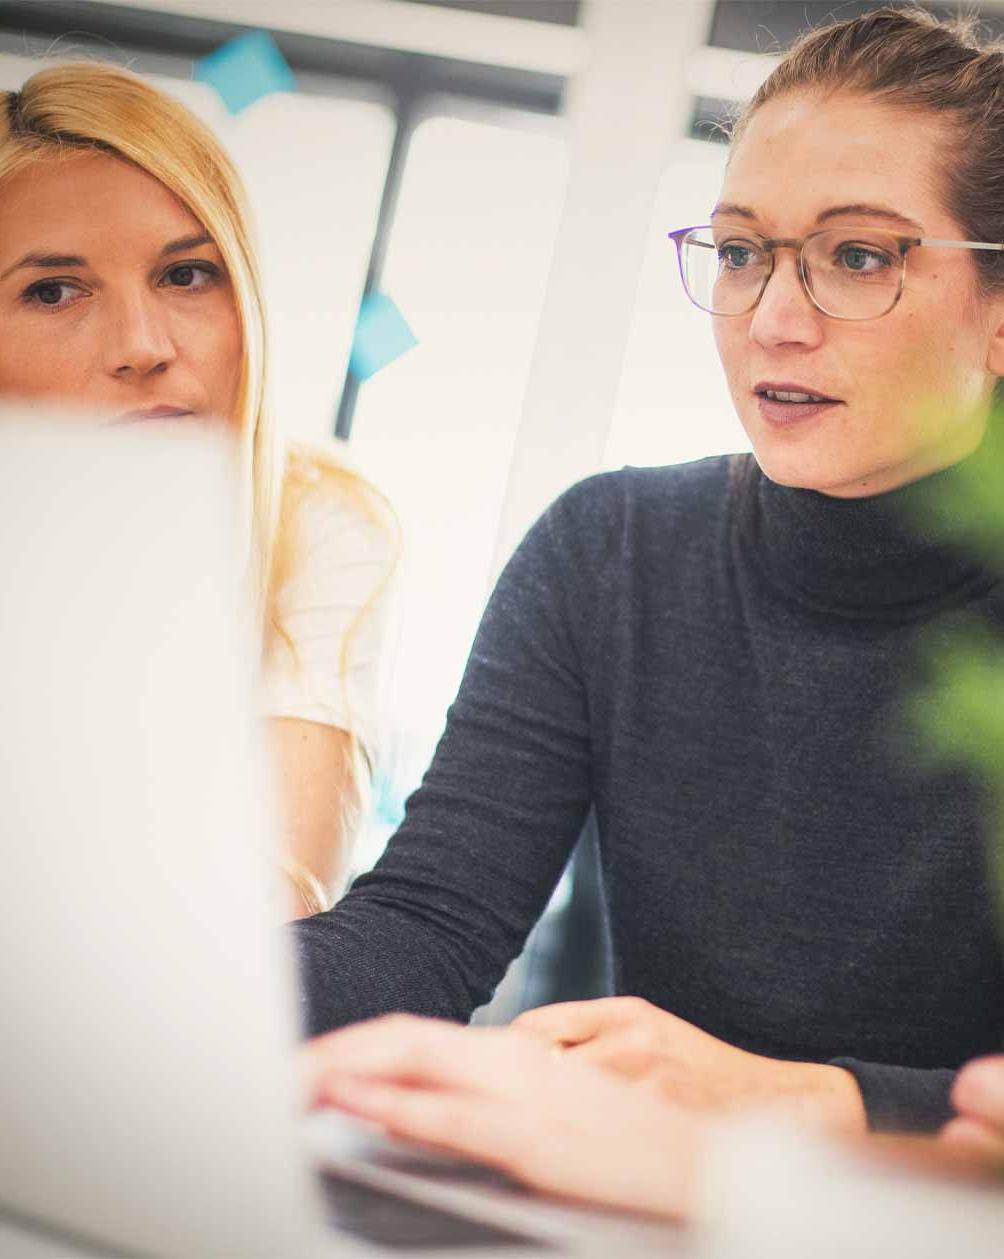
(337, 607)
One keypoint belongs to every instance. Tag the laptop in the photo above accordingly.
(148, 1094)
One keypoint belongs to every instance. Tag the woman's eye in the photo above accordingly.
(191, 275)
(54, 295)
(861, 259)
(735, 255)
(49, 294)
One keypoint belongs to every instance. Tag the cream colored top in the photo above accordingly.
(337, 606)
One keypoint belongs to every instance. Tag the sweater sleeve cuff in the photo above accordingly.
(902, 1099)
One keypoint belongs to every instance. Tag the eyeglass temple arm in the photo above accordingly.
(958, 244)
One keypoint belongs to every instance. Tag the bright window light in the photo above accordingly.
(673, 404)
(467, 266)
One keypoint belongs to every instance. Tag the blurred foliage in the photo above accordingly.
(961, 715)
(959, 712)
(966, 504)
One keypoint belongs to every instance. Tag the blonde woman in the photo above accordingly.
(129, 285)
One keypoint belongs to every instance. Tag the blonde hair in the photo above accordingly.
(74, 107)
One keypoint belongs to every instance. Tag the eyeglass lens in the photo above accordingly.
(851, 273)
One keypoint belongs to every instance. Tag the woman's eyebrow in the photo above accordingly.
(43, 261)
(727, 207)
(872, 211)
(185, 243)
(833, 211)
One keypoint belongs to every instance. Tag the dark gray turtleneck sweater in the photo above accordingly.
(713, 662)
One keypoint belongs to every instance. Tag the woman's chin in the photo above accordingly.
(839, 479)
(800, 471)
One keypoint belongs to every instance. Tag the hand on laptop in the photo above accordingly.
(504, 1098)
(635, 1039)
(978, 1096)
(561, 1125)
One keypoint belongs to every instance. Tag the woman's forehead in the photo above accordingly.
(800, 156)
(96, 191)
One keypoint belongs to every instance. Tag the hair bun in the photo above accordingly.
(14, 112)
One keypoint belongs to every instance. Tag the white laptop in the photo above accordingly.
(148, 1099)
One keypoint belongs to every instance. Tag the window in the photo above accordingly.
(467, 266)
(673, 403)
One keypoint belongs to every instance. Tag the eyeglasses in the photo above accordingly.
(847, 272)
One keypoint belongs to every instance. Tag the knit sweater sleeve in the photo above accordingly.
(902, 1099)
(431, 929)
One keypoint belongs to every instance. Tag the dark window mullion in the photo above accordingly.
(406, 114)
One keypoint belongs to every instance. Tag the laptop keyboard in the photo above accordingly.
(376, 1215)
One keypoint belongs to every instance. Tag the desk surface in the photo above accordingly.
(574, 1233)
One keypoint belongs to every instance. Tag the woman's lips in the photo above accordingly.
(154, 413)
(781, 413)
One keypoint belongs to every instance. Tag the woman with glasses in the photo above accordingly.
(712, 656)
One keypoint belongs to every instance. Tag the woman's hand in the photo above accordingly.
(503, 1098)
(637, 1040)
(978, 1096)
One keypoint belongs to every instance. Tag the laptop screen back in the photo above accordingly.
(147, 1091)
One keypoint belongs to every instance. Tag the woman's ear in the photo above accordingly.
(995, 353)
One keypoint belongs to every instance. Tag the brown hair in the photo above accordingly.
(908, 57)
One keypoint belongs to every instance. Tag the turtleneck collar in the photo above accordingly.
(860, 558)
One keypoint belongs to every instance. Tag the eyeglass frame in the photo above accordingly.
(904, 244)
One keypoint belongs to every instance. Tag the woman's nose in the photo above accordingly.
(139, 341)
(785, 313)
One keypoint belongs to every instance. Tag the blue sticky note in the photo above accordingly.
(246, 69)
(388, 798)
(382, 335)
